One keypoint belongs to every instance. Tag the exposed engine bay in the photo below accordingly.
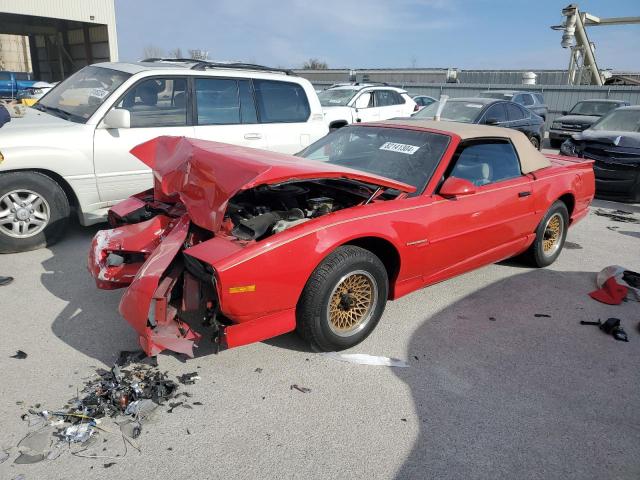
(269, 209)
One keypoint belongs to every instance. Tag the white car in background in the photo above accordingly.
(71, 150)
(354, 103)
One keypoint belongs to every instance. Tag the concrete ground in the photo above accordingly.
(518, 396)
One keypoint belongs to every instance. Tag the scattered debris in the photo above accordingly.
(572, 246)
(19, 477)
(541, 315)
(79, 433)
(613, 229)
(611, 326)
(364, 359)
(20, 355)
(5, 281)
(258, 370)
(493, 319)
(617, 215)
(616, 284)
(299, 388)
(403, 419)
(109, 465)
(3, 456)
(188, 378)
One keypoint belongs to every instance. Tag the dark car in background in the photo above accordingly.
(583, 114)
(533, 101)
(613, 142)
(488, 111)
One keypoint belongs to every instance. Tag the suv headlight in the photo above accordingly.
(555, 125)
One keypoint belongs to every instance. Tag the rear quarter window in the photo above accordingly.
(281, 102)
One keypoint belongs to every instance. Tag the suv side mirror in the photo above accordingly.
(117, 118)
(491, 121)
(457, 187)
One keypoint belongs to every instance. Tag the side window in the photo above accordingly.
(384, 98)
(539, 98)
(515, 112)
(398, 99)
(5, 76)
(247, 104)
(218, 101)
(527, 100)
(496, 113)
(365, 100)
(157, 102)
(284, 102)
(486, 162)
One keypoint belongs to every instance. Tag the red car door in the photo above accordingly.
(489, 225)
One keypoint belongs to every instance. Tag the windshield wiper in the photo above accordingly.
(59, 111)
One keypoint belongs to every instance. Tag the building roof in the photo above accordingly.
(530, 158)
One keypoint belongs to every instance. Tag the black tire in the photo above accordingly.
(539, 254)
(346, 264)
(555, 143)
(56, 202)
(535, 141)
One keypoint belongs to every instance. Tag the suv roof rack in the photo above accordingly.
(204, 64)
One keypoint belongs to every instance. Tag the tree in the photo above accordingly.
(176, 53)
(152, 51)
(315, 64)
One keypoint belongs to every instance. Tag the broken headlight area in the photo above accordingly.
(269, 209)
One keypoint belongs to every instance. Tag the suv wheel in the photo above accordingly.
(34, 211)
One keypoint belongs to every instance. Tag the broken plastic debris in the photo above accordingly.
(611, 326)
(364, 359)
(615, 283)
(79, 433)
(20, 355)
(541, 315)
(618, 216)
(299, 388)
(3, 456)
(188, 378)
(5, 281)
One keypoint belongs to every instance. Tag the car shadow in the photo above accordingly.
(499, 391)
(90, 321)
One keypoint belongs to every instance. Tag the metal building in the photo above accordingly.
(62, 35)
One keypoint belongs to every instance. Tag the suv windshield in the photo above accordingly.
(593, 108)
(336, 97)
(80, 95)
(620, 121)
(407, 156)
(499, 95)
(454, 110)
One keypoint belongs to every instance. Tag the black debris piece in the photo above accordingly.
(20, 355)
(109, 465)
(541, 315)
(299, 388)
(258, 370)
(572, 246)
(493, 319)
(125, 358)
(5, 281)
(613, 229)
(632, 278)
(416, 357)
(170, 448)
(197, 403)
(188, 378)
(403, 419)
(173, 405)
(188, 432)
(610, 326)
(618, 216)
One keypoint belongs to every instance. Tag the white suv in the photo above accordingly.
(353, 103)
(71, 150)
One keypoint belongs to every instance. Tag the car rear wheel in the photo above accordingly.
(343, 299)
(34, 211)
(550, 235)
(535, 141)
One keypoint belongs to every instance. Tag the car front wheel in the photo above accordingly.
(550, 235)
(34, 211)
(343, 299)
(535, 141)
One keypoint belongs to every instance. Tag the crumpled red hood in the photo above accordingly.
(205, 175)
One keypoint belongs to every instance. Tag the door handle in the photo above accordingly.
(252, 136)
(524, 194)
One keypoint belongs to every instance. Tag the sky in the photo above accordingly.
(465, 34)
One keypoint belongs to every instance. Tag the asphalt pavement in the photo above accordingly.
(493, 391)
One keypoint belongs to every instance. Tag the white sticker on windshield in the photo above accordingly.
(473, 105)
(399, 147)
(98, 92)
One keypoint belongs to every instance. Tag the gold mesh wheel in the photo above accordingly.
(352, 303)
(553, 231)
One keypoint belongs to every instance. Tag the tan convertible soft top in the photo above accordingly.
(530, 158)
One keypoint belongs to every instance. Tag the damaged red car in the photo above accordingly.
(254, 244)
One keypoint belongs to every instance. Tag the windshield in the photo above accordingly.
(454, 110)
(619, 121)
(499, 95)
(407, 156)
(336, 97)
(80, 95)
(593, 108)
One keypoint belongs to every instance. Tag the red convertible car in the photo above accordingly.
(254, 244)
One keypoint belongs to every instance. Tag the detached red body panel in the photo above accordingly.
(179, 250)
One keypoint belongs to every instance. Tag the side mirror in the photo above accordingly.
(117, 118)
(491, 121)
(457, 187)
(564, 112)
